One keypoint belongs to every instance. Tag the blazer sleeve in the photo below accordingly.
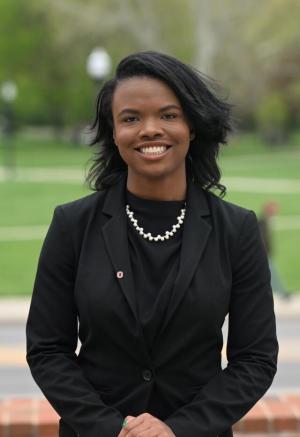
(52, 339)
(252, 346)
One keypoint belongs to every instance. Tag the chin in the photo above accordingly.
(155, 175)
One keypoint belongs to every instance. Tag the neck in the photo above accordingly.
(157, 189)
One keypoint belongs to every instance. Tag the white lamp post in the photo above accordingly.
(8, 93)
(98, 64)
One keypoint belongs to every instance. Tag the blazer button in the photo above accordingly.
(147, 375)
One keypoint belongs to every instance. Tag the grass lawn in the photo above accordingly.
(18, 262)
(36, 153)
(28, 203)
(31, 203)
(248, 157)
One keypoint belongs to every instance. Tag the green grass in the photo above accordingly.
(36, 153)
(249, 157)
(18, 262)
(270, 164)
(25, 203)
(286, 257)
(286, 243)
(288, 204)
(30, 204)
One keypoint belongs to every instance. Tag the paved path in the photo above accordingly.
(43, 174)
(38, 232)
(262, 185)
(77, 176)
(16, 380)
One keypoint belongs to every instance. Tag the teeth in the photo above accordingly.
(157, 149)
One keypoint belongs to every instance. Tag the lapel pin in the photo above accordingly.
(120, 274)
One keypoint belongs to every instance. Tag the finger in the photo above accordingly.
(144, 430)
(124, 424)
(137, 425)
(148, 433)
(130, 422)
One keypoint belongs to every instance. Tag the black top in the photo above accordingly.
(154, 263)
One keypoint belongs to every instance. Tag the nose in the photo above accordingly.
(150, 128)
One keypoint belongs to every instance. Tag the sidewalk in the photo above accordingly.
(15, 310)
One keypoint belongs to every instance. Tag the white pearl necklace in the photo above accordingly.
(149, 236)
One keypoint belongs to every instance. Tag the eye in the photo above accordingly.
(129, 119)
(169, 116)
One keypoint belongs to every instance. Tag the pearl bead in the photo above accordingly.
(148, 235)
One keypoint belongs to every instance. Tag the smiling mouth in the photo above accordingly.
(153, 150)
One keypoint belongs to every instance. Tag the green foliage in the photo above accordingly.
(44, 46)
(49, 43)
(47, 91)
(293, 95)
(23, 53)
(272, 119)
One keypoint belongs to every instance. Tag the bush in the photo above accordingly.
(272, 118)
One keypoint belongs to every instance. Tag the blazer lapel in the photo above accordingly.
(116, 240)
(195, 235)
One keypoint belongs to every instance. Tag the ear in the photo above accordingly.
(192, 134)
(114, 137)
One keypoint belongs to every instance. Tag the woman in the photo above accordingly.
(150, 265)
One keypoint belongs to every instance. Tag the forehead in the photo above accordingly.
(143, 90)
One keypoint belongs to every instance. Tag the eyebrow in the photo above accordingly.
(135, 111)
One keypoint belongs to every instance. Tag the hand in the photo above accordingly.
(145, 425)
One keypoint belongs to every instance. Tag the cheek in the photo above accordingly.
(184, 138)
(182, 132)
(122, 137)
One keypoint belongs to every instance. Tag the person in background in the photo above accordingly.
(270, 209)
(144, 271)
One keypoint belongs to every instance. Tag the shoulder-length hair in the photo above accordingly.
(209, 116)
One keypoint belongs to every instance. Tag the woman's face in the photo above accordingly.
(150, 128)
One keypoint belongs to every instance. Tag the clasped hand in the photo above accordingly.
(145, 425)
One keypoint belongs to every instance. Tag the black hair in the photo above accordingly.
(209, 116)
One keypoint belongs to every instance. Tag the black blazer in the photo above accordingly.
(223, 269)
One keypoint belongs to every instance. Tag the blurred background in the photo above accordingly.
(54, 55)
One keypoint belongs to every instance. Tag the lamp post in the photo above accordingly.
(98, 67)
(9, 92)
(98, 64)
